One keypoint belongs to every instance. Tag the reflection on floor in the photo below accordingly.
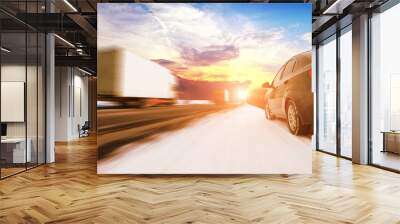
(10, 171)
(387, 159)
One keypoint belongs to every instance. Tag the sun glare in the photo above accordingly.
(242, 94)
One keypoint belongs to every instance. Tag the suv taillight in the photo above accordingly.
(310, 73)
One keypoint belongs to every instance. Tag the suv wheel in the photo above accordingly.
(268, 113)
(293, 118)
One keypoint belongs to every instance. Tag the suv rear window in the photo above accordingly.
(278, 76)
(289, 68)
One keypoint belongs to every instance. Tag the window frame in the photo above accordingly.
(278, 76)
(286, 74)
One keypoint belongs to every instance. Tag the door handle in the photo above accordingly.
(285, 82)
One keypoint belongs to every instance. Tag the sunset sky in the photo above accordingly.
(205, 41)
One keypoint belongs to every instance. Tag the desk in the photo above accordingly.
(13, 150)
(391, 141)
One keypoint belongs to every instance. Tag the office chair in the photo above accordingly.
(84, 130)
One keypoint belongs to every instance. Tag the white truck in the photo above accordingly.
(128, 79)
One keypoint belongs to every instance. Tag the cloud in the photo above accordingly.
(197, 75)
(209, 55)
(209, 77)
(258, 38)
(306, 37)
(189, 72)
(218, 77)
(272, 67)
(164, 62)
(187, 24)
(175, 67)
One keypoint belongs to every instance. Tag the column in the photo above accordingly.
(360, 90)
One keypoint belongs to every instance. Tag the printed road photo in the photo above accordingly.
(204, 88)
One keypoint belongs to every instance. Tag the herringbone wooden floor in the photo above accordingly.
(70, 191)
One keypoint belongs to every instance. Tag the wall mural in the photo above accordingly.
(204, 88)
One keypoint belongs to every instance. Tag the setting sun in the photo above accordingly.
(242, 94)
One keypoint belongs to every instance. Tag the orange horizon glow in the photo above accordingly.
(230, 72)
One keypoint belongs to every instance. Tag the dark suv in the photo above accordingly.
(289, 96)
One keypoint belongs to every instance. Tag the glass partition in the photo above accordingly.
(31, 98)
(385, 89)
(326, 123)
(346, 92)
(41, 96)
(13, 94)
(22, 88)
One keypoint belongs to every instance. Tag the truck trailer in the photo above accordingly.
(130, 80)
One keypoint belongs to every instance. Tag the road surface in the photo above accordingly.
(235, 141)
(117, 127)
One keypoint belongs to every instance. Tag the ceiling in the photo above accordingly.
(75, 21)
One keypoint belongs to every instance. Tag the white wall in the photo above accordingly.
(80, 105)
(62, 83)
(70, 84)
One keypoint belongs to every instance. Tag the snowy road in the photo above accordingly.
(238, 141)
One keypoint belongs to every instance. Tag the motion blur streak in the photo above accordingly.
(120, 126)
(238, 141)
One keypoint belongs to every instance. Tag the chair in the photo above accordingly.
(84, 130)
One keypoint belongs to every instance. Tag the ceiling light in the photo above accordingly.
(79, 51)
(338, 6)
(84, 71)
(70, 5)
(5, 50)
(64, 40)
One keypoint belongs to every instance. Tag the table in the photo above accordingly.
(13, 150)
(391, 141)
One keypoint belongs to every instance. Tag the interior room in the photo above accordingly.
(49, 151)
(385, 87)
(22, 101)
